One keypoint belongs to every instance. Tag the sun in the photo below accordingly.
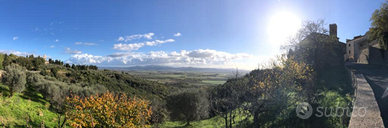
(282, 26)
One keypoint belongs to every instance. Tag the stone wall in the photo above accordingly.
(365, 98)
(364, 55)
(373, 55)
(377, 56)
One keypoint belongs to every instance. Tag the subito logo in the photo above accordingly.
(304, 110)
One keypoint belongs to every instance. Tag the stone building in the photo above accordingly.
(321, 42)
(354, 47)
(333, 33)
(361, 50)
(333, 30)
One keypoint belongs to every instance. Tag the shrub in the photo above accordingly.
(108, 110)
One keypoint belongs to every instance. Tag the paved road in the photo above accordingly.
(377, 77)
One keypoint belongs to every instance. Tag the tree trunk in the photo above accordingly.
(226, 120)
(10, 92)
(230, 119)
(59, 120)
(188, 122)
(256, 119)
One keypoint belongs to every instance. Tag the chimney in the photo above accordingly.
(333, 30)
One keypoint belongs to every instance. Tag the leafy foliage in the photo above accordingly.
(55, 90)
(29, 62)
(188, 105)
(112, 80)
(275, 90)
(108, 110)
(228, 98)
(379, 29)
(15, 78)
(159, 111)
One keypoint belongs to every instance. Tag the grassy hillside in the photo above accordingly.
(114, 81)
(29, 105)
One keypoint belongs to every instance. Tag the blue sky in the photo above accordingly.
(220, 34)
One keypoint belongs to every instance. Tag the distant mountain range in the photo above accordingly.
(175, 69)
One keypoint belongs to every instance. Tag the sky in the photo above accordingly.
(186, 33)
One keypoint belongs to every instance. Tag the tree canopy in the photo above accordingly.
(15, 78)
(188, 105)
(379, 23)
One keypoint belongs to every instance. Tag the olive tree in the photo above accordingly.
(15, 78)
(188, 105)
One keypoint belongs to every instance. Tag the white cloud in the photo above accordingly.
(18, 53)
(148, 35)
(136, 46)
(128, 47)
(195, 58)
(120, 39)
(56, 40)
(52, 46)
(69, 51)
(156, 42)
(177, 34)
(84, 43)
(86, 58)
(136, 36)
(15, 38)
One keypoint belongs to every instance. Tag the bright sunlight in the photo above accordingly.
(282, 26)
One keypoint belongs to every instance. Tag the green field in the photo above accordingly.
(189, 78)
(216, 82)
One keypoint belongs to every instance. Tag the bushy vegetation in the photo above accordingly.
(108, 110)
(28, 62)
(15, 78)
(111, 80)
(188, 105)
(379, 29)
(55, 91)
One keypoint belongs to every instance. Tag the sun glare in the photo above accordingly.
(282, 26)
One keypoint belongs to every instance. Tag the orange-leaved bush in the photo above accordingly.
(108, 110)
